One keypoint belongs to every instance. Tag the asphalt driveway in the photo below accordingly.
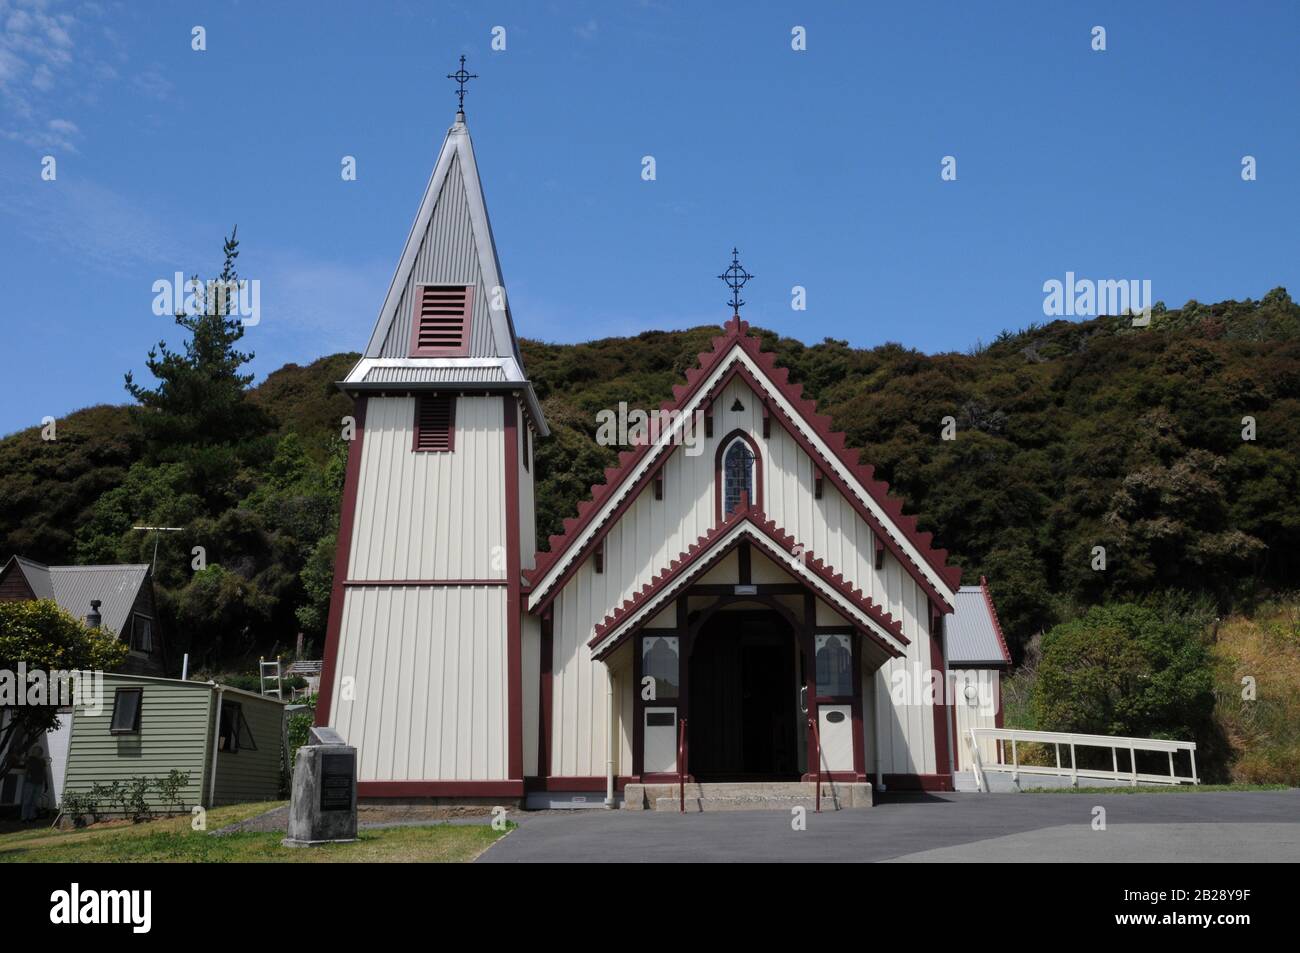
(1226, 826)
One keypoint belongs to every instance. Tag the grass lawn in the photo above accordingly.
(1160, 789)
(171, 840)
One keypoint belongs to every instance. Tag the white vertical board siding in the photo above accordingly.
(975, 715)
(870, 746)
(530, 633)
(651, 533)
(626, 688)
(430, 699)
(577, 686)
(905, 725)
(430, 515)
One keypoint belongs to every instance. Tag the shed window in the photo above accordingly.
(235, 733)
(440, 323)
(142, 634)
(126, 711)
(435, 423)
(737, 475)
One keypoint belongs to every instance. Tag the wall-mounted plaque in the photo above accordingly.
(336, 782)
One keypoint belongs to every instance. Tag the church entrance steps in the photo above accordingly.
(747, 796)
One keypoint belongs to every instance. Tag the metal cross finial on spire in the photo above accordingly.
(735, 278)
(461, 77)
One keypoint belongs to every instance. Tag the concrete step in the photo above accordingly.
(714, 804)
(747, 796)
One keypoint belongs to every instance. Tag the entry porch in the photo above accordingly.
(748, 669)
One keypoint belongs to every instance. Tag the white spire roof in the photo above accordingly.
(450, 243)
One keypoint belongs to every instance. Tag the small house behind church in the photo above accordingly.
(118, 598)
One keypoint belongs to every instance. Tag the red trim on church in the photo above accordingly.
(440, 788)
(993, 614)
(939, 707)
(615, 477)
(342, 553)
(917, 782)
(766, 535)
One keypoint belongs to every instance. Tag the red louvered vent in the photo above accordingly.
(440, 324)
(435, 424)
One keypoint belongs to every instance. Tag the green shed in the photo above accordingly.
(230, 742)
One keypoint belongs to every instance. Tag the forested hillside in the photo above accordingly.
(1068, 436)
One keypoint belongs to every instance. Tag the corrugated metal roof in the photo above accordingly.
(413, 374)
(114, 586)
(448, 255)
(38, 577)
(972, 634)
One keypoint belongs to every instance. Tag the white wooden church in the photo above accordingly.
(759, 611)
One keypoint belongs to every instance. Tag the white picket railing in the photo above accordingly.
(1004, 736)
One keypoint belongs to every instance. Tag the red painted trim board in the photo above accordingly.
(342, 553)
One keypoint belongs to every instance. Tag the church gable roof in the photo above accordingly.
(737, 352)
(748, 524)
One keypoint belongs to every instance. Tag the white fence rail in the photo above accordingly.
(1008, 739)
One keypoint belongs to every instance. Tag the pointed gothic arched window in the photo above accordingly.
(737, 475)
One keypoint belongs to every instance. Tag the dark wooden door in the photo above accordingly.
(743, 694)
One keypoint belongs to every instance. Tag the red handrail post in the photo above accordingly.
(817, 755)
(681, 766)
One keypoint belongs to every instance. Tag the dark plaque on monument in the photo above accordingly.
(323, 805)
(336, 782)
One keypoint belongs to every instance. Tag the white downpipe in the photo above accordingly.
(216, 743)
(868, 682)
(613, 737)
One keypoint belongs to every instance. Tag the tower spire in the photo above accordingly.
(461, 77)
(735, 278)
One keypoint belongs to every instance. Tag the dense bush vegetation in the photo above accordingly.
(1070, 436)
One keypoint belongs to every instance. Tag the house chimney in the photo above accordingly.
(93, 618)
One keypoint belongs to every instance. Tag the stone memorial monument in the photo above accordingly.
(323, 804)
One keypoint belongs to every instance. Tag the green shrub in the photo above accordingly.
(137, 803)
(299, 733)
(171, 787)
(129, 798)
(1125, 669)
(113, 796)
(77, 806)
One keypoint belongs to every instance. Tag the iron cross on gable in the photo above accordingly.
(735, 278)
(461, 77)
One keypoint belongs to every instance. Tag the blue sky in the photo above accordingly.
(823, 165)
